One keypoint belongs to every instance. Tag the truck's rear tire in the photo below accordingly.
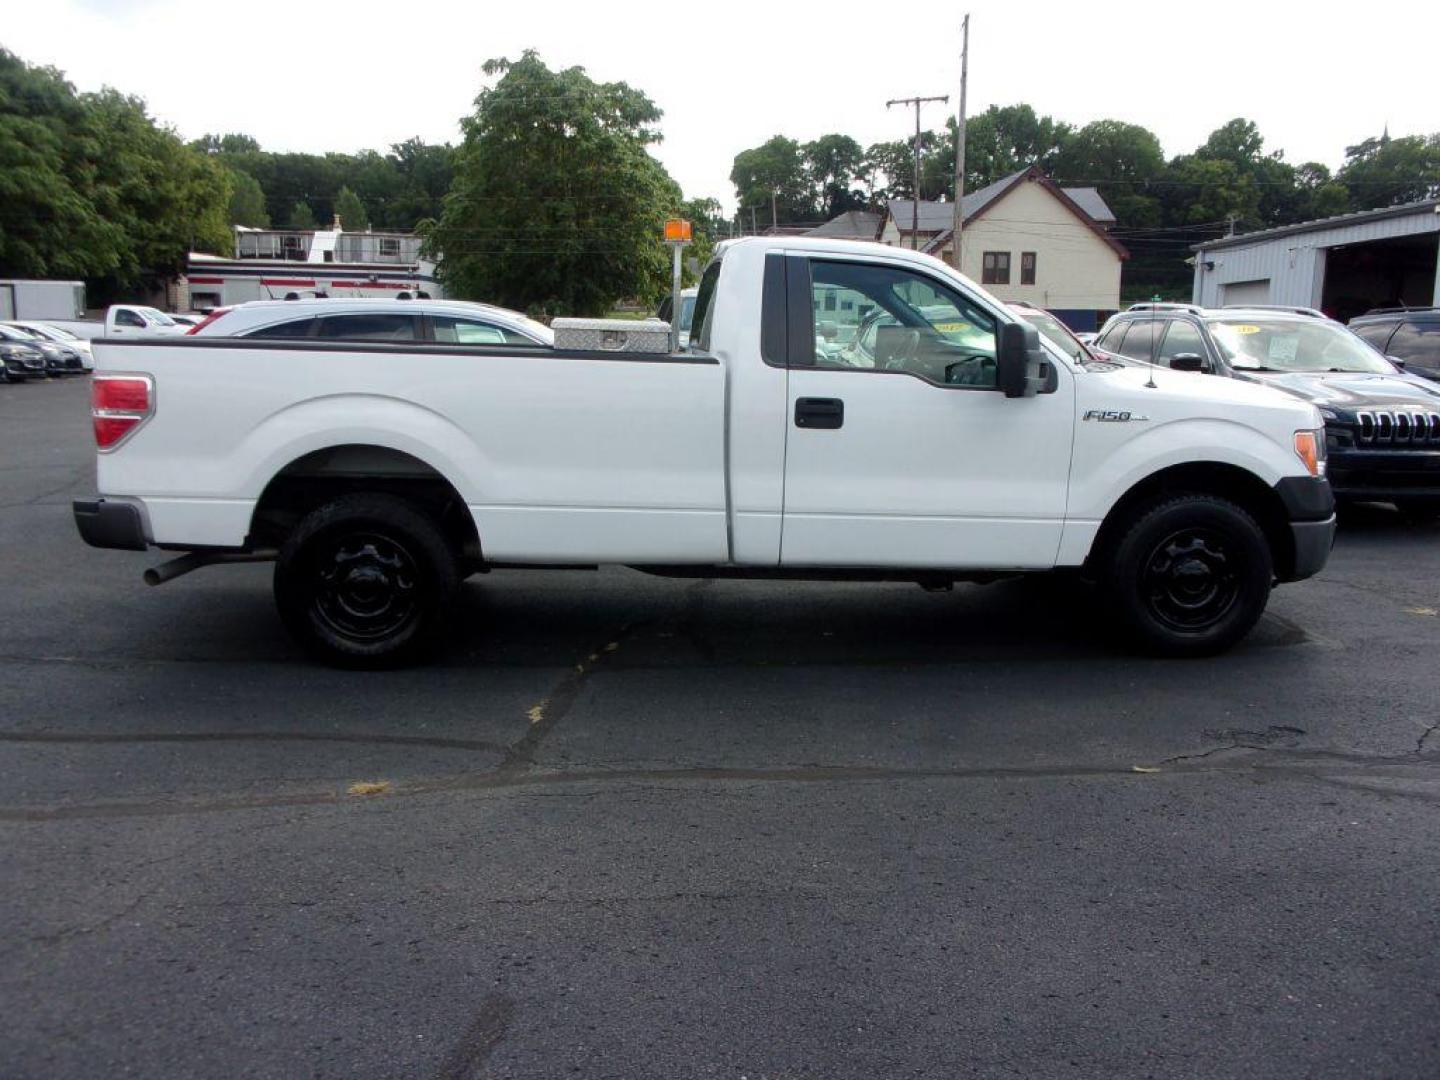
(1191, 576)
(366, 581)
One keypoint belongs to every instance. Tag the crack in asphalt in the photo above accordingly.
(556, 705)
(1425, 736)
(437, 741)
(1279, 761)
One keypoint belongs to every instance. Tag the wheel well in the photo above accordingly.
(1231, 482)
(310, 482)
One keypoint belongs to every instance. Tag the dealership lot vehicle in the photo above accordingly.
(1410, 335)
(379, 473)
(440, 322)
(1382, 425)
(59, 359)
(59, 336)
(21, 360)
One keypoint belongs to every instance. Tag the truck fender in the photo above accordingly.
(363, 420)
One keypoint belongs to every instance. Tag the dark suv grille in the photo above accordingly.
(1400, 429)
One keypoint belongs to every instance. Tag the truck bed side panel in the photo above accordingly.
(619, 459)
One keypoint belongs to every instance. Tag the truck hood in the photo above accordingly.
(1353, 390)
(1192, 387)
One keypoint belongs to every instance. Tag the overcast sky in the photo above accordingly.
(310, 77)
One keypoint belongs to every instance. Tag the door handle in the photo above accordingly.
(819, 412)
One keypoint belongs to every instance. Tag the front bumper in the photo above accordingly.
(1385, 474)
(105, 524)
(1310, 505)
(1313, 541)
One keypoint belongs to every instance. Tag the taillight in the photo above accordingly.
(215, 313)
(118, 405)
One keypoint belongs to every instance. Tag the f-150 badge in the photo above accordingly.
(1112, 416)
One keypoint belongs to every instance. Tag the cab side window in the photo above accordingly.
(1139, 341)
(368, 327)
(1180, 337)
(1418, 342)
(871, 317)
(1377, 334)
(287, 331)
(128, 318)
(455, 331)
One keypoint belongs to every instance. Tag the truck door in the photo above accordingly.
(900, 450)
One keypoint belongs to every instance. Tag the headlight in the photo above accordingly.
(1310, 449)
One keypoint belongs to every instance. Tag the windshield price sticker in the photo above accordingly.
(1285, 349)
(1246, 329)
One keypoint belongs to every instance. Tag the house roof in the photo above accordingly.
(1089, 200)
(852, 225)
(978, 202)
(1425, 206)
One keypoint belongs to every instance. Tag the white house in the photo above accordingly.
(1025, 238)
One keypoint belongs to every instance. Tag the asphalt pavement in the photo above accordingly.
(631, 827)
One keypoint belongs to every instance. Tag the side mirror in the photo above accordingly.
(1021, 366)
(1187, 361)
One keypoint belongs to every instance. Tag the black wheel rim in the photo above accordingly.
(1191, 581)
(367, 586)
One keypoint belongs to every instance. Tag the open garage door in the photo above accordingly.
(1379, 273)
(1240, 293)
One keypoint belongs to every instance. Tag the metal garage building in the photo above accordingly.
(1343, 265)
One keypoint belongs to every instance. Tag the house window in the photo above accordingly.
(995, 268)
(389, 247)
(1027, 268)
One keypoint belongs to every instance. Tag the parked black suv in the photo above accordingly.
(1408, 334)
(1382, 425)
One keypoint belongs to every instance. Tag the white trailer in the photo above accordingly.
(42, 300)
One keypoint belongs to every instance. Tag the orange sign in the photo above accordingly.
(677, 231)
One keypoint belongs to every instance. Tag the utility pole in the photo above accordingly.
(915, 203)
(774, 213)
(754, 229)
(960, 145)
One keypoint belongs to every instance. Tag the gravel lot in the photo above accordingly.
(640, 828)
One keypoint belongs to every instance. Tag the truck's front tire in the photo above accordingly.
(366, 581)
(1190, 576)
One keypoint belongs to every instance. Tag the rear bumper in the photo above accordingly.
(105, 524)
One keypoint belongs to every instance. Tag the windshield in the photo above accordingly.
(156, 316)
(687, 312)
(1294, 345)
(59, 333)
(1058, 333)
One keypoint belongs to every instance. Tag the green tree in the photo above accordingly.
(1385, 172)
(1122, 160)
(247, 201)
(300, 216)
(351, 211)
(49, 226)
(557, 206)
(833, 164)
(774, 176)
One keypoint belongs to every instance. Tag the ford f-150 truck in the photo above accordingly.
(957, 446)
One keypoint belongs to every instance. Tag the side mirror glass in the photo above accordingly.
(1021, 366)
(1187, 361)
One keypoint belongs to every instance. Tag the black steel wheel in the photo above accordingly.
(1191, 576)
(366, 581)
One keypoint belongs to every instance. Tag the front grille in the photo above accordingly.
(1397, 429)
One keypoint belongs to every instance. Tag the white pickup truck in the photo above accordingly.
(955, 446)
